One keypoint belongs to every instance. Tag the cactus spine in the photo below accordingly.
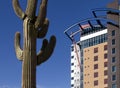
(33, 27)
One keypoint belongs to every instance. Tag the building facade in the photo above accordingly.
(95, 58)
(114, 47)
(89, 61)
(75, 66)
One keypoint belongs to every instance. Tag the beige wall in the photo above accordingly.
(89, 66)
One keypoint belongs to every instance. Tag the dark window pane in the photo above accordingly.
(95, 58)
(72, 63)
(114, 86)
(105, 72)
(105, 56)
(95, 74)
(113, 41)
(72, 85)
(105, 47)
(95, 50)
(72, 78)
(113, 33)
(113, 50)
(113, 59)
(105, 81)
(96, 66)
(72, 56)
(105, 64)
(113, 68)
(72, 48)
(95, 82)
(113, 77)
(72, 71)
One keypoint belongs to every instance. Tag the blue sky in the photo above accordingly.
(55, 73)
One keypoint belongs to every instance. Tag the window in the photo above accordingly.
(72, 85)
(105, 72)
(105, 64)
(105, 81)
(113, 59)
(114, 86)
(72, 71)
(95, 50)
(72, 48)
(95, 82)
(95, 58)
(72, 64)
(96, 66)
(72, 78)
(113, 33)
(105, 56)
(113, 77)
(113, 68)
(72, 56)
(93, 41)
(95, 74)
(113, 50)
(113, 41)
(105, 47)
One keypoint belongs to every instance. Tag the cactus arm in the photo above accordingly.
(31, 8)
(19, 52)
(44, 44)
(43, 31)
(17, 9)
(46, 50)
(41, 14)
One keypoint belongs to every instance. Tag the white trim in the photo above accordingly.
(93, 35)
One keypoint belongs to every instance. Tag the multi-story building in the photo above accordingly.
(95, 58)
(89, 61)
(75, 66)
(94, 55)
(114, 47)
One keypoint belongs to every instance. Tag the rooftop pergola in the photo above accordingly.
(97, 20)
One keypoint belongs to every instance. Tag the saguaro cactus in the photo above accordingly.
(33, 27)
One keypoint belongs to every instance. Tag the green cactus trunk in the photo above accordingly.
(34, 27)
(29, 55)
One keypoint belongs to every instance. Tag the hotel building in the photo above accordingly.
(91, 53)
(95, 58)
